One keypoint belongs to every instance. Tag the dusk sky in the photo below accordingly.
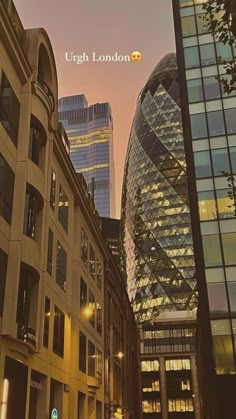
(105, 27)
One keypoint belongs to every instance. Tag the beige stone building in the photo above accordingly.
(52, 255)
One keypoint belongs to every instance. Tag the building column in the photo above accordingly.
(196, 395)
(163, 388)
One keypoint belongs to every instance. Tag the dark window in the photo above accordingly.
(220, 160)
(61, 266)
(50, 251)
(83, 293)
(30, 215)
(91, 359)
(211, 88)
(7, 179)
(233, 158)
(53, 190)
(230, 121)
(46, 322)
(92, 262)
(82, 352)
(202, 164)
(34, 143)
(58, 332)
(99, 274)
(195, 90)
(216, 123)
(217, 300)
(212, 250)
(92, 305)
(208, 56)
(3, 274)
(27, 306)
(84, 247)
(63, 209)
(99, 319)
(9, 109)
(198, 126)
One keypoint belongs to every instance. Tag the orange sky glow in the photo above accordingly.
(105, 27)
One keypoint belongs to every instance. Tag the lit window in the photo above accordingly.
(63, 209)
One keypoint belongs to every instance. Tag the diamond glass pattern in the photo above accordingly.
(156, 224)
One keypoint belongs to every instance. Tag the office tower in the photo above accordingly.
(111, 233)
(157, 239)
(90, 131)
(209, 120)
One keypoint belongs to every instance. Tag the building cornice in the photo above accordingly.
(13, 47)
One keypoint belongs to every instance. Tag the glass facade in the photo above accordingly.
(156, 223)
(89, 130)
(213, 130)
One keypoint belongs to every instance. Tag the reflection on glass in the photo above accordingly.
(207, 205)
(211, 88)
(208, 56)
(217, 299)
(223, 203)
(220, 160)
(191, 56)
(202, 164)
(195, 91)
(212, 250)
(188, 25)
(229, 246)
(198, 126)
(216, 123)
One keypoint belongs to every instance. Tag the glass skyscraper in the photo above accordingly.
(158, 248)
(90, 131)
(209, 119)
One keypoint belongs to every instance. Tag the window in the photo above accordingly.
(92, 262)
(27, 305)
(58, 332)
(212, 250)
(61, 267)
(230, 121)
(9, 109)
(147, 366)
(232, 297)
(91, 359)
(53, 190)
(191, 56)
(82, 352)
(83, 293)
(7, 179)
(217, 300)
(223, 346)
(151, 406)
(99, 274)
(99, 365)
(63, 209)
(3, 274)
(202, 25)
(195, 90)
(92, 305)
(188, 26)
(233, 158)
(50, 251)
(229, 246)
(211, 88)
(207, 205)
(202, 164)
(224, 203)
(180, 405)
(208, 56)
(224, 52)
(216, 123)
(99, 319)
(220, 160)
(46, 322)
(198, 126)
(30, 214)
(36, 140)
(177, 364)
(84, 247)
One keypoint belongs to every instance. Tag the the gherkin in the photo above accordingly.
(156, 224)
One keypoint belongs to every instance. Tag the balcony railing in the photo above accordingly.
(45, 89)
(26, 334)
